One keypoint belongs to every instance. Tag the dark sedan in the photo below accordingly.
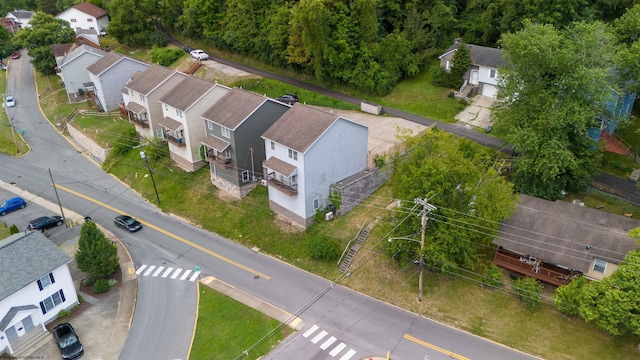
(67, 341)
(127, 222)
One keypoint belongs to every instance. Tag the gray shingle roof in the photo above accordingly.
(480, 55)
(82, 49)
(104, 63)
(25, 258)
(145, 81)
(300, 127)
(566, 234)
(187, 92)
(233, 108)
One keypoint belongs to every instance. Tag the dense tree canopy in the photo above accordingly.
(95, 256)
(471, 197)
(555, 86)
(45, 31)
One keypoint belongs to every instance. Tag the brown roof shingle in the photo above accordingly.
(104, 63)
(145, 81)
(300, 127)
(91, 9)
(187, 92)
(233, 108)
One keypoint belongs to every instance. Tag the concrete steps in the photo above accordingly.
(29, 343)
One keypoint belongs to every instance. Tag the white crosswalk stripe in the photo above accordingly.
(167, 272)
(328, 343)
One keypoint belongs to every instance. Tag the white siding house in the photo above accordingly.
(73, 69)
(306, 151)
(86, 16)
(35, 285)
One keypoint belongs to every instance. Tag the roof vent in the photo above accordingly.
(588, 247)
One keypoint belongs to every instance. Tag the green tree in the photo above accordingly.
(132, 22)
(627, 30)
(613, 304)
(529, 290)
(567, 297)
(461, 61)
(95, 256)
(554, 85)
(44, 32)
(457, 176)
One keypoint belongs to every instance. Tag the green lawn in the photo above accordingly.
(219, 334)
(10, 141)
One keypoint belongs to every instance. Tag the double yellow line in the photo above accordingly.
(183, 240)
(431, 346)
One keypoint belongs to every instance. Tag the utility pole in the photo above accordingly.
(426, 209)
(144, 157)
(58, 197)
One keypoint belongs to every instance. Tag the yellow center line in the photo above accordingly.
(431, 346)
(183, 240)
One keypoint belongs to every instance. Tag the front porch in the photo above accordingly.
(219, 159)
(535, 268)
(289, 189)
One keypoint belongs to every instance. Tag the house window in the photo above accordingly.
(600, 266)
(209, 124)
(273, 145)
(159, 134)
(293, 154)
(492, 73)
(166, 107)
(294, 179)
(52, 301)
(89, 20)
(448, 65)
(316, 204)
(179, 113)
(225, 132)
(245, 176)
(130, 92)
(45, 281)
(142, 98)
(72, 20)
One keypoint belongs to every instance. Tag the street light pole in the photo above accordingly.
(144, 157)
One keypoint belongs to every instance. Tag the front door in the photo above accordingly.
(473, 77)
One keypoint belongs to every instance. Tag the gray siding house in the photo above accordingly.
(142, 94)
(307, 150)
(234, 147)
(108, 75)
(72, 68)
(555, 241)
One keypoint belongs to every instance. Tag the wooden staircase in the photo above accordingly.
(615, 144)
(194, 67)
(353, 250)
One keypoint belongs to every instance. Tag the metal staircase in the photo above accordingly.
(353, 250)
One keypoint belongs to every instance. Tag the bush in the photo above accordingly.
(165, 56)
(567, 297)
(80, 299)
(88, 281)
(324, 248)
(529, 290)
(493, 277)
(63, 313)
(101, 285)
(112, 282)
(13, 229)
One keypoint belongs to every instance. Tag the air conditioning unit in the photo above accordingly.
(328, 216)
(263, 182)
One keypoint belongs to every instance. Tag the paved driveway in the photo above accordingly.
(478, 113)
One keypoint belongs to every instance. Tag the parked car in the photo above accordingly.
(10, 101)
(199, 54)
(288, 99)
(187, 49)
(45, 222)
(127, 222)
(68, 341)
(15, 55)
(12, 204)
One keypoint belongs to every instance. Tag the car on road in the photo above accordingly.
(15, 55)
(68, 341)
(127, 222)
(12, 204)
(10, 101)
(45, 222)
(187, 49)
(288, 99)
(199, 54)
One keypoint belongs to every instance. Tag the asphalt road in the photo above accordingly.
(164, 318)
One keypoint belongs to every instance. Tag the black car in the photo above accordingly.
(45, 222)
(68, 341)
(127, 222)
(187, 49)
(288, 99)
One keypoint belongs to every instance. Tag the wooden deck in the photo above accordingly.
(535, 268)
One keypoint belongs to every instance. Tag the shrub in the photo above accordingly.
(13, 229)
(80, 299)
(63, 313)
(379, 160)
(324, 248)
(567, 297)
(112, 282)
(529, 290)
(101, 285)
(165, 56)
(493, 276)
(88, 281)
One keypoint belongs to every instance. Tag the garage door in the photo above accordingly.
(489, 90)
